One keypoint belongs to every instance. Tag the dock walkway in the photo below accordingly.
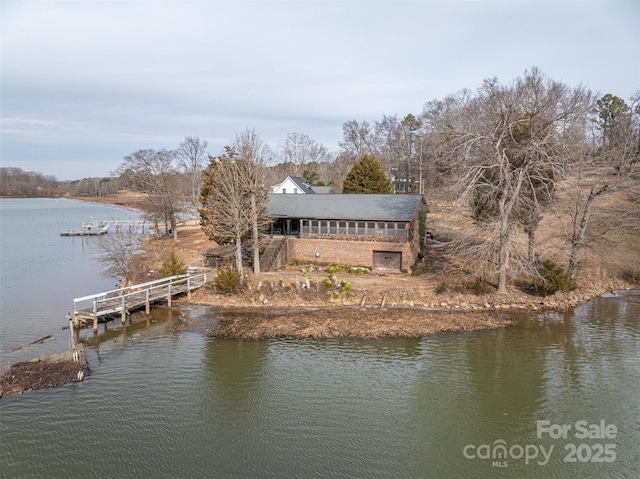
(98, 228)
(110, 304)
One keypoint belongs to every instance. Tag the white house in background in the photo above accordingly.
(293, 185)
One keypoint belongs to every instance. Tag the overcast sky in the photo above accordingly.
(85, 83)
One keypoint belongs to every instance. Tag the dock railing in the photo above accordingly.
(123, 300)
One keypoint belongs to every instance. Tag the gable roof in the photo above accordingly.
(344, 207)
(299, 182)
(302, 185)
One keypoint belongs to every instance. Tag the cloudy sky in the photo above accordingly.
(84, 83)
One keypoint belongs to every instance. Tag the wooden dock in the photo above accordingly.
(93, 228)
(98, 228)
(119, 302)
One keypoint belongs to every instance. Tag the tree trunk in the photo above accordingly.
(577, 238)
(254, 234)
(507, 202)
(239, 258)
(531, 235)
(174, 227)
(503, 256)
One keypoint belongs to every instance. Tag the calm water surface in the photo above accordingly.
(162, 403)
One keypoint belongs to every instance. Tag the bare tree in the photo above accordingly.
(225, 203)
(234, 195)
(303, 152)
(611, 168)
(392, 146)
(357, 139)
(117, 251)
(154, 172)
(254, 155)
(192, 158)
(507, 142)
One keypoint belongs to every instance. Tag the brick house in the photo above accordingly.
(380, 232)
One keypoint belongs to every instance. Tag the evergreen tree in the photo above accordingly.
(367, 176)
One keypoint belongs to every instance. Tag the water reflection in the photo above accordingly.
(167, 403)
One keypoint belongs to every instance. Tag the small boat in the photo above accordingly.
(91, 228)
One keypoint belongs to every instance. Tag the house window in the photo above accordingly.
(343, 228)
(361, 230)
(295, 191)
(352, 227)
(371, 227)
(284, 191)
(314, 226)
(402, 229)
(333, 227)
(380, 230)
(305, 226)
(323, 227)
(391, 229)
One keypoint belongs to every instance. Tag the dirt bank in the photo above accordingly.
(345, 322)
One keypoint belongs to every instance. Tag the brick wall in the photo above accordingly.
(348, 252)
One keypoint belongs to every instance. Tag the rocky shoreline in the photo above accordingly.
(374, 311)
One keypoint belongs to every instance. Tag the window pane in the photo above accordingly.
(391, 229)
(361, 227)
(380, 230)
(402, 229)
(323, 227)
(352, 227)
(314, 226)
(343, 227)
(332, 227)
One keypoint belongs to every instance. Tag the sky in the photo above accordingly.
(85, 83)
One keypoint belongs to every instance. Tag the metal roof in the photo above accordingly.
(302, 185)
(344, 207)
(323, 190)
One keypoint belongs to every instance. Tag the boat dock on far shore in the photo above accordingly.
(96, 228)
(91, 228)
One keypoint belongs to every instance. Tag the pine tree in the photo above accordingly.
(367, 176)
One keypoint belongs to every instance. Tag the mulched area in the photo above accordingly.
(40, 374)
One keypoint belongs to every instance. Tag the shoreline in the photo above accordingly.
(428, 298)
(244, 322)
(275, 305)
(347, 322)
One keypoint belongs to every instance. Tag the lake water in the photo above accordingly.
(162, 403)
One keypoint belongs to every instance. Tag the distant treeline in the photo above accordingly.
(17, 183)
